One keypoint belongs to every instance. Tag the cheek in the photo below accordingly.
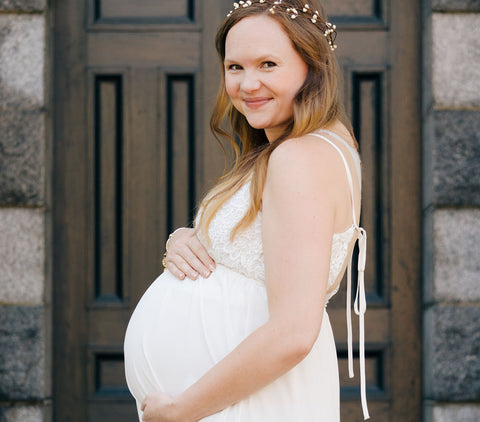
(230, 87)
(293, 92)
(299, 76)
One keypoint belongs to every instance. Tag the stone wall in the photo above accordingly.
(25, 376)
(452, 210)
(451, 122)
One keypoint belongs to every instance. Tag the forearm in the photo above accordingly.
(261, 358)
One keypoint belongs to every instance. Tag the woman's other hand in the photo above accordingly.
(186, 256)
(160, 407)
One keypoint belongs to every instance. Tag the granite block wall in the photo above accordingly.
(451, 161)
(451, 123)
(25, 326)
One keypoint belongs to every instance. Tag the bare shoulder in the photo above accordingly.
(305, 156)
(303, 185)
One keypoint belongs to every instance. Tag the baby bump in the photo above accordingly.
(182, 328)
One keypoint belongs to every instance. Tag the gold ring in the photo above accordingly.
(164, 262)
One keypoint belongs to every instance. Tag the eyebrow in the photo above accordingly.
(267, 57)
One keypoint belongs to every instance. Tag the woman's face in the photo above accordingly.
(263, 73)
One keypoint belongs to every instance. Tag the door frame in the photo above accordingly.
(406, 216)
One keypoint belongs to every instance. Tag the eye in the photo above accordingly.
(268, 65)
(234, 67)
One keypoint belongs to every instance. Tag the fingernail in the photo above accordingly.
(212, 267)
(206, 273)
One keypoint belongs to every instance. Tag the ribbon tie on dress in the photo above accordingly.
(360, 307)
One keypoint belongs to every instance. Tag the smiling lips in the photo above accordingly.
(255, 103)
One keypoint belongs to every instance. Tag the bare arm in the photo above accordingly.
(298, 219)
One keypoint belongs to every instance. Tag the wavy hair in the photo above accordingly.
(316, 105)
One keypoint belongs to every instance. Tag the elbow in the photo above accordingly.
(301, 348)
(298, 346)
(295, 338)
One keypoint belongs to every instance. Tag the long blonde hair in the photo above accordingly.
(316, 105)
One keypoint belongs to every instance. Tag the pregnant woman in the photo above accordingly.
(249, 339)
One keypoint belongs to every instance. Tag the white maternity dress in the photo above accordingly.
(180, 329)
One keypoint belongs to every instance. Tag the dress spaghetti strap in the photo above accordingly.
(360, 304)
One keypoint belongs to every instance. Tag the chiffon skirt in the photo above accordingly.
(180, 329)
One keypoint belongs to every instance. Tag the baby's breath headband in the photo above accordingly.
(329, 30)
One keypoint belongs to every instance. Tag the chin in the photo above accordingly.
(258, 124)
(268, 125)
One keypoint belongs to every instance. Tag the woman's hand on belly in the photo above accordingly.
(160, 407)
(186, 255)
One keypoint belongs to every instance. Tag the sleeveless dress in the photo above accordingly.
(180, 329)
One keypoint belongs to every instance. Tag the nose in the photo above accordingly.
(250, 82)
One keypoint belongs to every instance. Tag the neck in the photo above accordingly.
(274, 133)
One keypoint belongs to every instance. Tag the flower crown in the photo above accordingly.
(329, 30)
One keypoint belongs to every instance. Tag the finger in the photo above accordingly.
(183, 266)
(194, 262)
(184, 245)
(175, 270)
(201, 253)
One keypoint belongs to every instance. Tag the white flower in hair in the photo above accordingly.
(329, 30)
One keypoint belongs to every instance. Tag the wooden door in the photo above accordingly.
(134, 83)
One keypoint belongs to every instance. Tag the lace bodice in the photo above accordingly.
(245, 253)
